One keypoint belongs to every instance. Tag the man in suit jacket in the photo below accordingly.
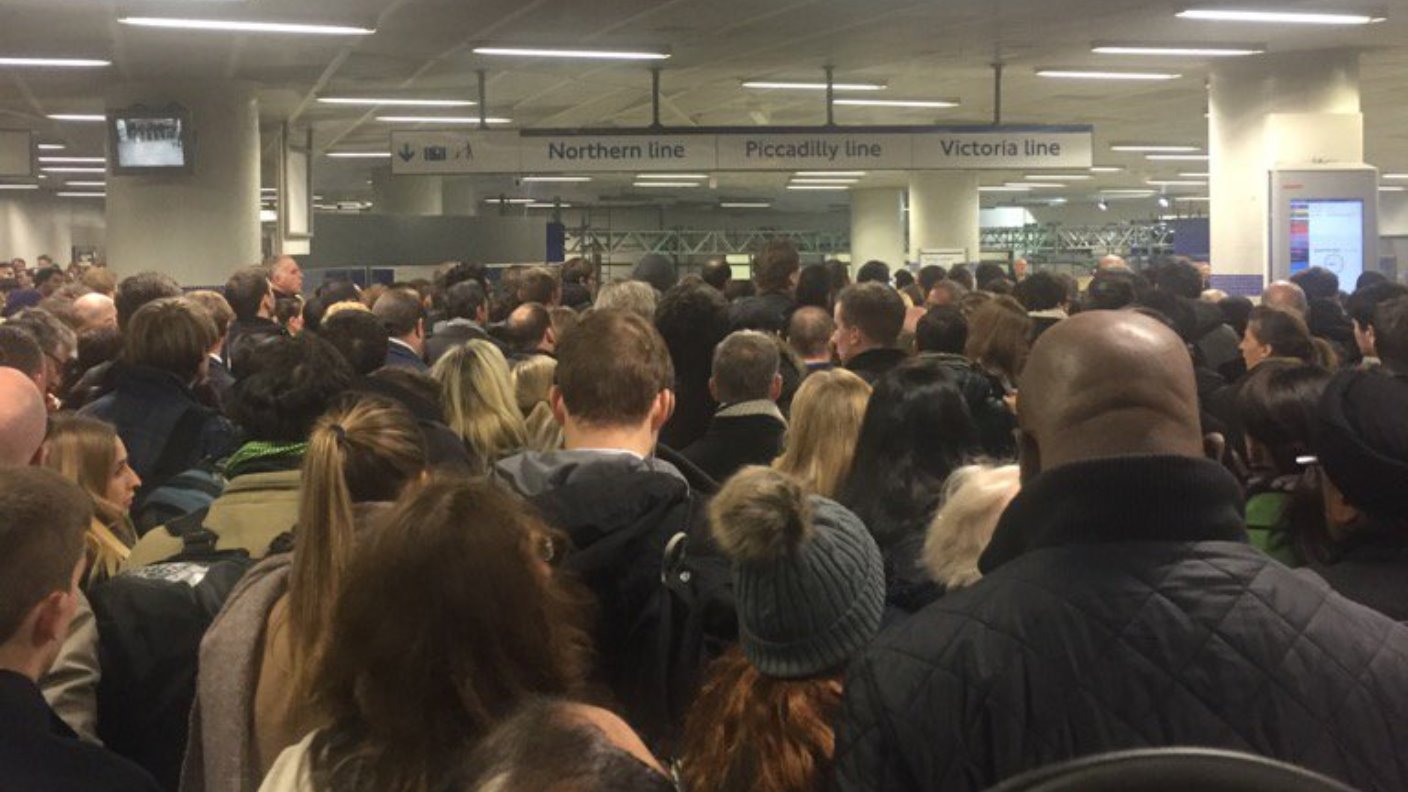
(466, 311)
(748, 428)
(403, 316)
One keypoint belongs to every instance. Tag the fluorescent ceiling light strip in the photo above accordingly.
(556, 179)
(1093, 74)
(832, 174)
(86, 184)
(1176, 183)
(1286, 17)
(1174, 50)
(90, 117)
(1390, 188)
(1058, 177)
(441, 120)
(242, 26)
(1195, 175)
(1037, 185)
(830, 187)
(1128, 192)
(938, 103)
(787, 85)
(665, 184)
(72, 194)
(66, 169)
(1393, 176)
(51, 147)
(825, 181)
(359, 154)
(19, 186)
(1177, 157)
(1106, 169)
(744, 205)
(59, 63)
(1154, 147)
(1190, 198)
(1006, 188)
(535, 52)
(74, 160)
(546, 205)
(359, 102)
(669, 176)
(510, 200)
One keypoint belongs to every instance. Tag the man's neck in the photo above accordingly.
(26, 664)
(408, 342)
(862, 349)
(638, 439)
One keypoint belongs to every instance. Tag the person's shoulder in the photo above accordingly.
(292, 771)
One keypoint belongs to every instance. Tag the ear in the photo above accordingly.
(713, 389)
(481, 314)
(51, 618)
(1339, 512)
(663, 408)
(775, 390)
(550, 337)
(558, 405)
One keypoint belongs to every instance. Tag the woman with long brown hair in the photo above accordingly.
(89, 452)
(810, 588)
(821, 437)
(449, 617)
(260, 657)
(999, 333)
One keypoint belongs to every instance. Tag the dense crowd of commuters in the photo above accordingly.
(522, 530)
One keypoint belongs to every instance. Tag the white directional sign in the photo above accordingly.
(923, 148)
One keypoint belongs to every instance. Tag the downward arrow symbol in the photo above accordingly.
(407, 153)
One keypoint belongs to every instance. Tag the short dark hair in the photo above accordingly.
(1369, 278)
(54, 337)
(903, 279)
(134, 291)
(286, 309)
(987, 272)
(399, 310)
(1361, 304)
(1283, 331)
(19, 351)
(611, 367)
(960, 274)
(44, 274)
(462, 271)
(219, 308)
(44, 520)
(1041, 291)
(942, 328)
(809, 330)
(246, 289)
(873, 272)
(1391, 334)
(463, 300)
(538, 285)
(745, 364)
(1318, 283)
(577, 270)
(716, 273)
(876, 310)
(776, 263)
(172, 334)
(1111, 290)
(289, 382)
(929, 275)
(527, 325)
(1276, 406)
(1179, 277)
(359, 337)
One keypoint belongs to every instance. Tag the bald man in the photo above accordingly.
(23, 419)
(95, 311)
(1112, 262)
(1121, 606)
(1286, 296)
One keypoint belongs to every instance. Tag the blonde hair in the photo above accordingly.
(84, 451)
(346, 305)
(821, 438)
(479, 400)
(532, 379)
(974, 498)
(366, 451)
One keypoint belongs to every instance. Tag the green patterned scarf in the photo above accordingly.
(260, 451)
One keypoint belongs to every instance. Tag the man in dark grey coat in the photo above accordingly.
(1121, 606)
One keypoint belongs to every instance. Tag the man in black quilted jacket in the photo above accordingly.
(1121, 606)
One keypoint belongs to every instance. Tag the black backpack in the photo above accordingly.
(150, 623)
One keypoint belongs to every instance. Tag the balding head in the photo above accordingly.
(1106, 384)
(94, 311)
(1286, 296)
(22, 419)
(1112, 262)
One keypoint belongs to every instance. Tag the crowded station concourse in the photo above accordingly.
(585, 396)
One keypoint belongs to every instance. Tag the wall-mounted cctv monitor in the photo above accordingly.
(150, 141)
(1325, 218)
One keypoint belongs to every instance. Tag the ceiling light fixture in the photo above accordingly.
(1195, 175)
(745, 205)
(1151, 147)
(555, 179)
(440, 120)
(669, 176)
(19, 186)
(86, 184)
(665, 184)
(1037, 185)
(1128, 192)
(1392, 188)
(1177, 157)
(931, 103)
(74, 194)
(537, 52)
(825, 181)
(1286, 17)
(51, 147)
(1175, 50)
(546, 205)
(87, 117)
(1106, 169)
(1006, 188)
(788, 85)
(510, 200)
(359, 154)
(835, 174)
(74, 160)
(360, 102)
(242, 26)
(1393, 176)
(1176, 183)
(58, 63)
(1102, 206)
(1163, 202)
(1059, 177)
(67, 169)
(1098, 74)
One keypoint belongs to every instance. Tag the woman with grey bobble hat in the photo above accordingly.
(809, 583)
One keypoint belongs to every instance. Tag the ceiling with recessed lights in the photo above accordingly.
(892, 50)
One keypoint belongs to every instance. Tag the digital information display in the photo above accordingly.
(150, 142)
(1329, 234)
